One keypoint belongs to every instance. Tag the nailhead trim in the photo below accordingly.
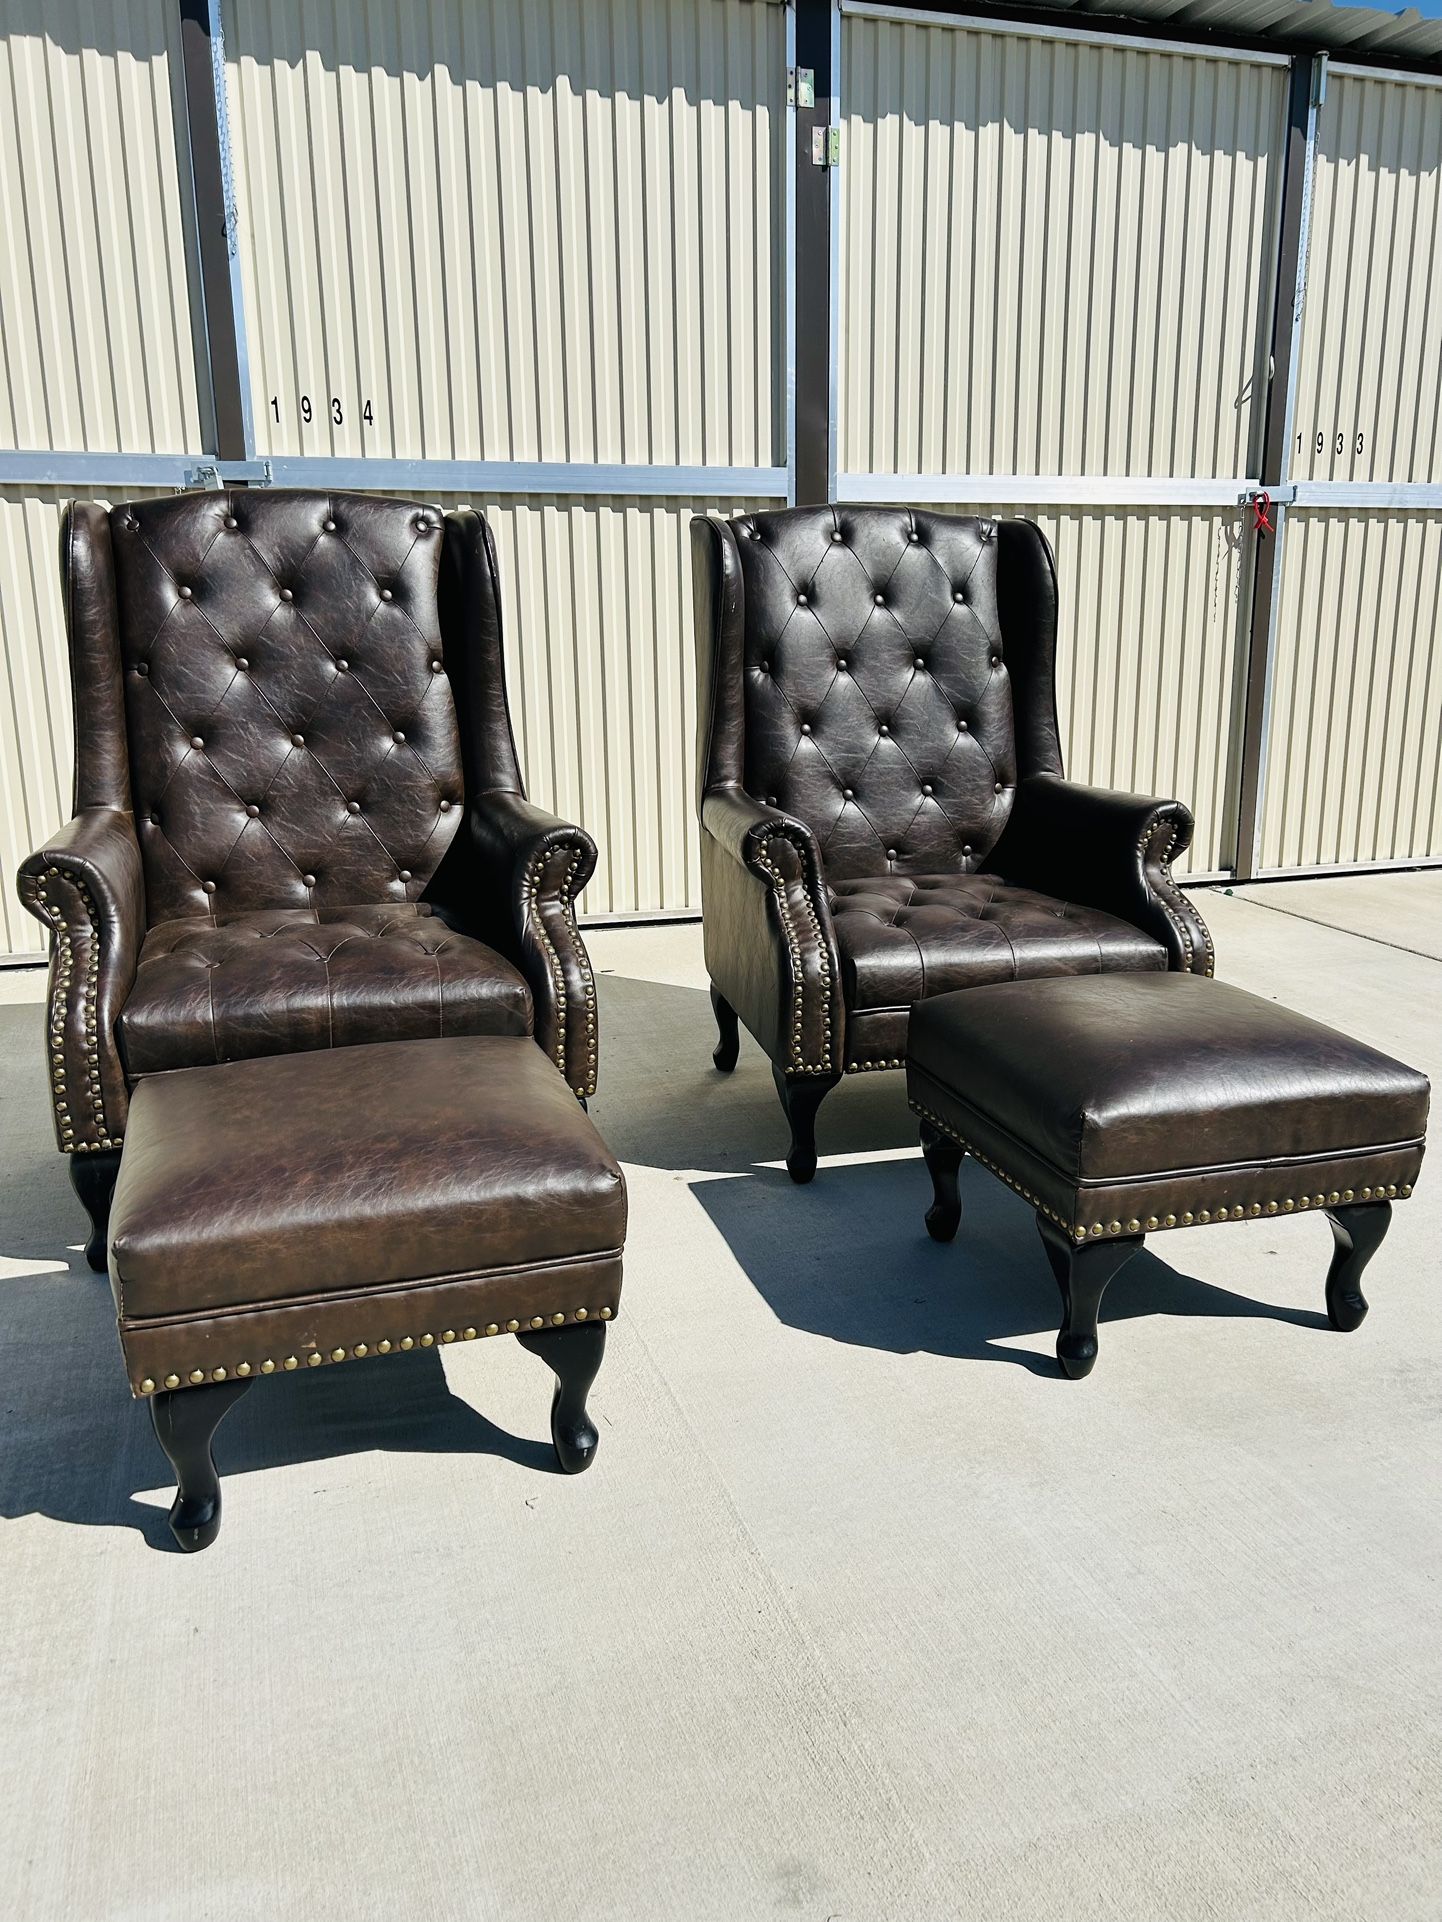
(530, 889)
(1165, 886)
(870, 1067)
(798, 1063)
(1228, 1211)
(147, 1385)
(71, 1104)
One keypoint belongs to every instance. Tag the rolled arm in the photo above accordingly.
(533, 866)
(1107, 850)
(770, 943)
(86, 884)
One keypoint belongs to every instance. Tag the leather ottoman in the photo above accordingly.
(350, 1204)
(1122, 1105)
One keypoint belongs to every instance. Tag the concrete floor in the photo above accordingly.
(863, 1613)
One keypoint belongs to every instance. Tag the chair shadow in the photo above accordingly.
(78, 1447)
(848, 1257)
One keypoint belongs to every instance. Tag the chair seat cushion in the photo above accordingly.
(282, 980)
(903, 937)
(1163, 1095)
(285, 1207)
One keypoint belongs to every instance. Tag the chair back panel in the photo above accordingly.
(293, 739)
(878, 704)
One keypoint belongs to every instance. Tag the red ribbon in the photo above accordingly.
(1261, 506)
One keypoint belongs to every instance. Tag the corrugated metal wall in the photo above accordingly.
(1353, 773)
(1056, 257)
(524, 230)
(96, 347)
(1149, 683)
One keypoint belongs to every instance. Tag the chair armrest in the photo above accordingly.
(770, 942)
(1107, 850)
(87, 885)
(528, 866)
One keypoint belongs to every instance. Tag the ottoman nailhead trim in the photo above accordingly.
(147, 1384)
(1234, 1211)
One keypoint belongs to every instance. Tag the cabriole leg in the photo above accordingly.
(1082, 1270)
(728, 1028)
(574, 1356)
(801, 1096)
(943, 1160)
(92, 1176)
(185, 1423)
(1358, 1233)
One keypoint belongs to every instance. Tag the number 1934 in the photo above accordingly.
(336, 405)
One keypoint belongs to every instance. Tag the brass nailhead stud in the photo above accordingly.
(314, 1361)
(337, 1354)
(172, 1381)
(1392, 1191)
(1271, 1207)
(1186, 1221)
(243, 1368)
(147, 1387)
(605, 1314)
(407, 1341)
(428, 1341)
(1334, 1198)
(1347, 1194)
(558, 1319)
(581, 1313)
(1405, 1189)
(1114, 1227)
(267, 1368)
(383, 1348)
(1286, 1207)
(511, 1327)
(469, 1333)
(1133, 1227)
(1202, 1215)
(1152, 1222)
(197, 1375)
(217, 1374)
(493, 1328)
(291, 1362)
(361, 1351)
(449, 1335)
(538, 1321)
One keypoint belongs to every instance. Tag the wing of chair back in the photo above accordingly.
(512, 874)
(770, 943)
(86, 882)
(1094, 846)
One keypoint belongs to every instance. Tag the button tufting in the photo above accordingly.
(801, 601)
(352, 807)
(841, 666)
(403, 874)
(185, 593)
(231, 521)
(154, 818)
(307, 880)
(966, 850)
(884, 728)
(386, 594)
(435, 667)
(848, 794)
(926, 787)
(836, 534)
(891, 854)
(342, 667)
(996, 660)
(241, 662)
(297, 740)
(252, 810)
(329, 526)
(766, 667)
(398, 737)
(958, 595)
(196, 741)
(918, 662)
(997, 788)
(445, 807)
(286, 594)
(880, 600)
(142, 668)
(806, 727)
(207, 887)
(913, 536)
(962, 726)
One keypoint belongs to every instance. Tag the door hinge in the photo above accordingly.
(825, 146)
(801, 87)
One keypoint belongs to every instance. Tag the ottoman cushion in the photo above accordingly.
(286, 1209)
(1118, 1101)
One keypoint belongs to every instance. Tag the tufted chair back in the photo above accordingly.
(290, 730)
(877, 698)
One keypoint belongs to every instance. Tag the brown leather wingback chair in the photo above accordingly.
(299, 818)
(883, 813)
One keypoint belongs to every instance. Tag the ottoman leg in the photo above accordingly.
(943, 1160)
(574, 1354)
(1082, 1270)
(1358, 1234)
(92, 1177)
(728, 1028)
(185, 1425)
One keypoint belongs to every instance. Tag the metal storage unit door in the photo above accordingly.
(534, 231)
(1353, 775)
(1057, 267)
(97, 348)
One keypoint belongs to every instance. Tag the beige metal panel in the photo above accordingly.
(96, 344)
(36, 728)
(1056, 257)
(1371, 347)
(1149, 670)
(527, 230)
(1353, 769)
(600, 661)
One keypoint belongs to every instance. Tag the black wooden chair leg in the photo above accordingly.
(92, 1176)
(728, 1028)
(943, 1160)
(801, 1096)
(1358, 1233)
(574, 1355)
(185, 1423)
(1082, 1270)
